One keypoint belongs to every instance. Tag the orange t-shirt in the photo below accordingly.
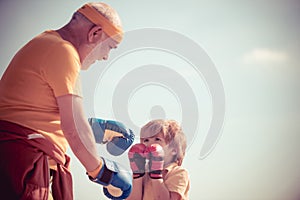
(176, 179)
(45, 68)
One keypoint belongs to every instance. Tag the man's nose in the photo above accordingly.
(105, 57)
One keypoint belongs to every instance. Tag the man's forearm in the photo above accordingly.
(83, 146)
(77, 131)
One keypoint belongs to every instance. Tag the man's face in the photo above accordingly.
(100, 51)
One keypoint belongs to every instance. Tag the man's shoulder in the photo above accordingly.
(51, 38)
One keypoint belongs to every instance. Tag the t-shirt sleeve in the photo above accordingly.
(62, 70)
(177, 181)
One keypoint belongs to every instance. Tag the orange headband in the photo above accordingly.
(95, 17)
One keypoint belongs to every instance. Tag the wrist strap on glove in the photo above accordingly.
(104, 177)
(138, 175)
(157, 174)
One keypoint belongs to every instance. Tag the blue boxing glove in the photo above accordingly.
(114, 133)
(112, 173)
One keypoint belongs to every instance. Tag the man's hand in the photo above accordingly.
(114, 133)
(114, 177)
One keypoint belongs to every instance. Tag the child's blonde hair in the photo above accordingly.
(172, 132)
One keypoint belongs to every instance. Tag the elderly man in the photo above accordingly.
(41, 111)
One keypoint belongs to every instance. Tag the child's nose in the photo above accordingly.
(152, 142)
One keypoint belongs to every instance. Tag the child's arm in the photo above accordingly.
(137, 189)
(156, 155)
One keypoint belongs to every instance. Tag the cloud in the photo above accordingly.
(265, 56)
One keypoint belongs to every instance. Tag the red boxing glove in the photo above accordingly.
(137, 160)
(155, 154)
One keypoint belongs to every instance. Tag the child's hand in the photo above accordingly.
(137, 160)
(155, 154)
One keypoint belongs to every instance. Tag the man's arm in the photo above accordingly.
(81, 140)
(78, 132)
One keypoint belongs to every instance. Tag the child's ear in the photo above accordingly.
(174, 151)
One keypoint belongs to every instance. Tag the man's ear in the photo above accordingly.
(95, 34)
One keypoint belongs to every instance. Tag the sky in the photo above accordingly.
(227, 70)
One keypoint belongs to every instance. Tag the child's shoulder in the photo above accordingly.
(177, 175)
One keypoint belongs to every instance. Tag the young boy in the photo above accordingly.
(156, 163)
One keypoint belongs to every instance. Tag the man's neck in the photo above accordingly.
(67, 34)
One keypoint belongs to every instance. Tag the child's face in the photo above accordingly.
(156, 139)
(159, 139)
